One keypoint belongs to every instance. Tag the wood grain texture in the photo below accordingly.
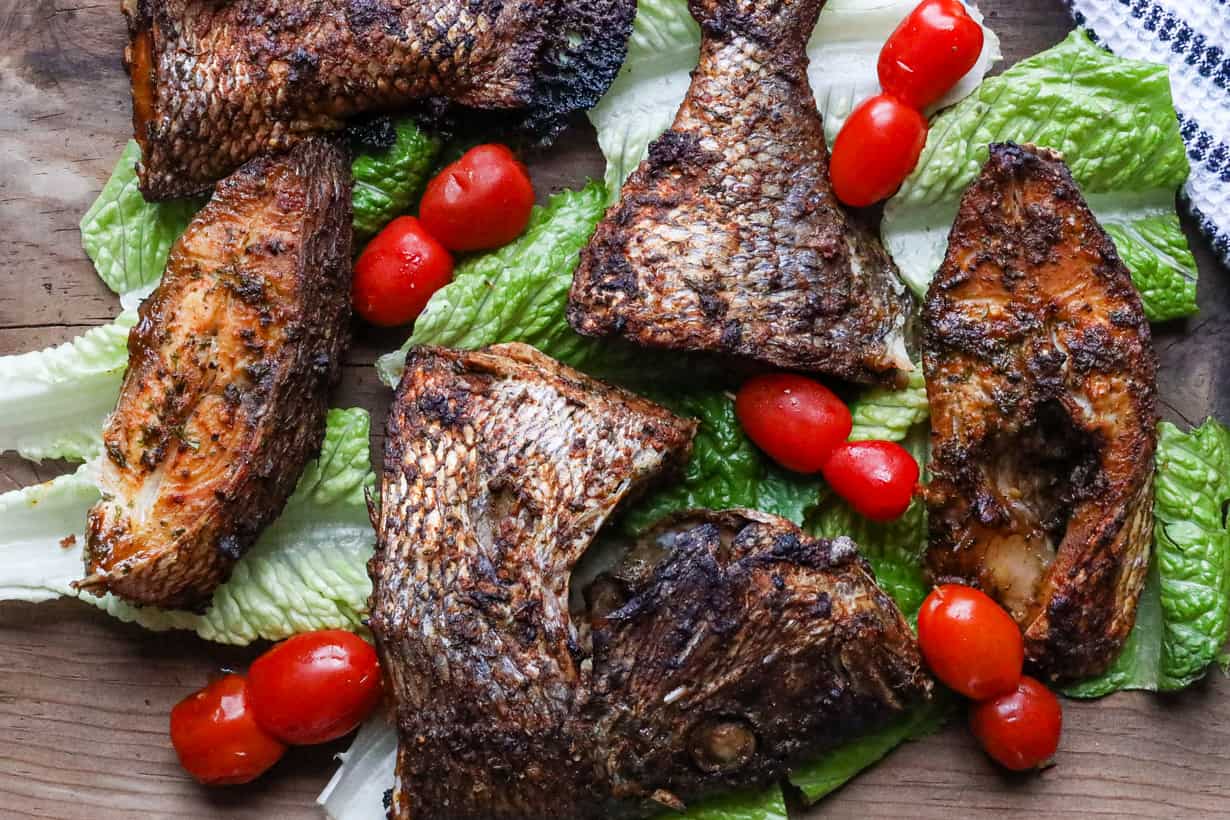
(84, 700)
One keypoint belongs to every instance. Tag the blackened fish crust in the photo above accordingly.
(729, 645)
(217, 82)
(728, 237)
(1042, 381)
(229, 371)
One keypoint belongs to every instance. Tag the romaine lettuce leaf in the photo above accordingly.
(127, 238)
(387, 181)
(1115, 123)
(893, 548)
(833, 771)
(54, 401)
(1184, 616)
(516, 293)
(665, 45)
(358, 787)
(881, 413)
(307, 571)
(726, 470)
(769, 804)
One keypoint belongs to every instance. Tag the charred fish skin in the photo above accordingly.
(500, 467)
(215, 84)
(1041, 376)
(230, 365)
(728, 237)
(747, 647)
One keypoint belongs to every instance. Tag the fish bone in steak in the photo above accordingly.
(229, 369)
(725, 648)
(728, 237)
(217, 82)
(1042, 381)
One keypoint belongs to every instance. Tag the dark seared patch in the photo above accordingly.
(377, 133)
(231, 547)
(364, 14)
(676, 148)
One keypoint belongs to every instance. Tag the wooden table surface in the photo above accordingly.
(84, 700)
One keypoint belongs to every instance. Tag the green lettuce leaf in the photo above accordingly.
(893, 548)
(767, 805)
(1114, 121)
(824, 777)
(881, 413)
(54, 401)
(516, 293)
(665, 45)
(127, 238)
(726, 470)
(1184, 616)
(307, 571)
(387, 181)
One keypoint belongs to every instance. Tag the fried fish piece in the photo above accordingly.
(1042, 381)
(217, 82)
(728, 237)
(737, 646)
(229, 370)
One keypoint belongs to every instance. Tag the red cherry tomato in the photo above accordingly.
(876, 150)
(877, 478)
(970, 642)
(315, 687)
(1021, 729)
(398, 272)
(216, 737)
(481, 201)
(797, 421)
(929, 53)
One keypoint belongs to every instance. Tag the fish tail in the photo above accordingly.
(776, 22)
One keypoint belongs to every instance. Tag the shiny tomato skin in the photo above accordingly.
(877, 478)
(1019, 730)
(398, 272)
(479, 202)
(216, 737)
(970, 642)
(315, 687)
(798, 422)
(876, 150)
(933, 48)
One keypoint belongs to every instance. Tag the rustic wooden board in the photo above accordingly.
(84, 700)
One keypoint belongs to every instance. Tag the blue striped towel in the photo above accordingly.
(1193, 38)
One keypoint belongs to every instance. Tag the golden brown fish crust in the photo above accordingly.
(738, 646)
(1042, 381)
(728, 237)
(227, 387)
(217, 82)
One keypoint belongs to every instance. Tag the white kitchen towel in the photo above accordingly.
(1193, 38)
